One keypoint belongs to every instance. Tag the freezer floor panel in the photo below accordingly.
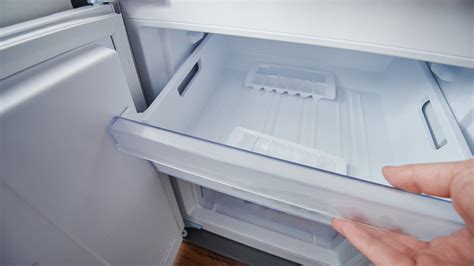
(339, 127)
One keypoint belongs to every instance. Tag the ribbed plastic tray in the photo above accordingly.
(275, 147)
(292, 80)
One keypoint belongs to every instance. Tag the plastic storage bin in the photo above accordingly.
(386, 111)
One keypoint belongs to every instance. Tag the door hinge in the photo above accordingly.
(101, 2)
(114, 3)
(191, 224)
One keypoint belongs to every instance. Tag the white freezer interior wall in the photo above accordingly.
(196, 99)
(457, 85)
(68, 197)
(158, 54)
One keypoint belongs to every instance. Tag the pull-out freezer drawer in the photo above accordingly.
(302, 129)
(289, 236)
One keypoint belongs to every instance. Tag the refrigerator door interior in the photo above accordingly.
(67, 196)
(302, 129)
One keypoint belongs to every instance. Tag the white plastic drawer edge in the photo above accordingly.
(308, 190)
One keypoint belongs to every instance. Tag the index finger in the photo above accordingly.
(431, 178)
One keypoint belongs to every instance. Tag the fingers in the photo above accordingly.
(434, 179)
(372, 247)
(455, 180)
(456, 248)
(390, 240)
(396, 240)
(462, 193)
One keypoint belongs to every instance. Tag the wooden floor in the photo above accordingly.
(190, 254)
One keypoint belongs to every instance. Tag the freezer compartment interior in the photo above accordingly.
(299, 228)
(342, 111)
(258, 120)
(271, 228)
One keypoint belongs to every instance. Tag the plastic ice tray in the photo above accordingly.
(275, 147)
(304, 82)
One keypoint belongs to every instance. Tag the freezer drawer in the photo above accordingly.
(292, 237)
(263, 121)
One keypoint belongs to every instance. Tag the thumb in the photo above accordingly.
(433, 178)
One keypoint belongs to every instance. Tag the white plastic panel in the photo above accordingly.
(67, 196)
(429, 30)
(28, 237)
(11, 14)
(57, 158)
(32, 42)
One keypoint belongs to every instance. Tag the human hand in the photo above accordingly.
(454, 180)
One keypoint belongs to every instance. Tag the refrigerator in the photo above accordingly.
(124, 123)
